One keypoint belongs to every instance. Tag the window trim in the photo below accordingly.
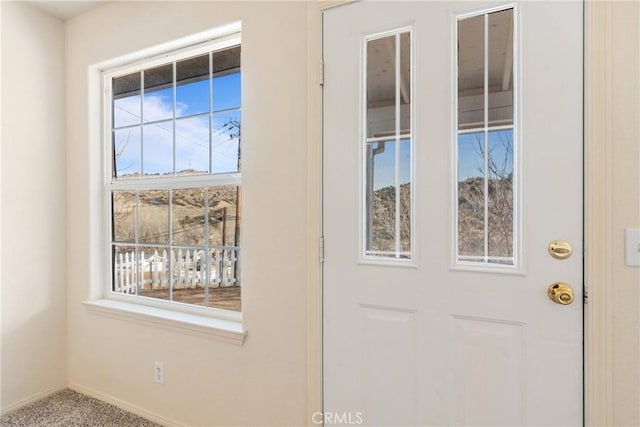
(227, 330)
(208, 321)
(175, 54)
(518, 267)
(364, 256)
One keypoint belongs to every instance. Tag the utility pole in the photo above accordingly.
(224, 226)
(236, 235)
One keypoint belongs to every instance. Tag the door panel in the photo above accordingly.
(389, 375)
(414, 333)
(482, 348)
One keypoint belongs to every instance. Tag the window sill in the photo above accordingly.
(191, 324)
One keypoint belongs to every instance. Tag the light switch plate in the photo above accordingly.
(632, 243)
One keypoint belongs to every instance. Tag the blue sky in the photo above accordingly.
(192, 133)
(384, 163)
(470, 157)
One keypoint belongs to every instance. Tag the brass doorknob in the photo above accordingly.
(560, 293)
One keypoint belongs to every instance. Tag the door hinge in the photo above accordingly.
(321, 73)
(321, 249)
(586, 296)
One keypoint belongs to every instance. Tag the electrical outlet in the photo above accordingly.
(158, 373)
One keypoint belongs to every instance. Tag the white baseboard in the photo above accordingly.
(28, 400)
(126, 406)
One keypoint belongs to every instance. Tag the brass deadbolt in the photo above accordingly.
(560, 249)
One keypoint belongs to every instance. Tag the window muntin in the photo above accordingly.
(486, 146)
(387, 147)
(175, 186)
(178, 118)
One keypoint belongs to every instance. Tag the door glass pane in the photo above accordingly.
(381, 87)
(405, 83)
(471, 200)
(471, 74)
(405, 197)
(500, 200)
(387, 151)
(485, 206)
(500, 52)
(381, 192)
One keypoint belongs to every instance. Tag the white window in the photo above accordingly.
(173, 132)
(387, 147)
(486, 146)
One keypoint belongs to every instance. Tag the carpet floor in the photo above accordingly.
(68, 408)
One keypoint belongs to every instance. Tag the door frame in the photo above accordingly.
(598, 235)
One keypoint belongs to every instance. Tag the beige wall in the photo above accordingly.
(207, 382)
(625, 140)
(33, 285)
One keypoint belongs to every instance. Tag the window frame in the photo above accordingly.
(364, 255)
(216, 40)
(518, 266)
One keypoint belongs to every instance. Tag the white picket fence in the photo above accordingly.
(178, 268)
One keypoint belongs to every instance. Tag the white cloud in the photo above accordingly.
(192, 137)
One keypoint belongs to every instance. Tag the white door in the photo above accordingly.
(452, 159)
